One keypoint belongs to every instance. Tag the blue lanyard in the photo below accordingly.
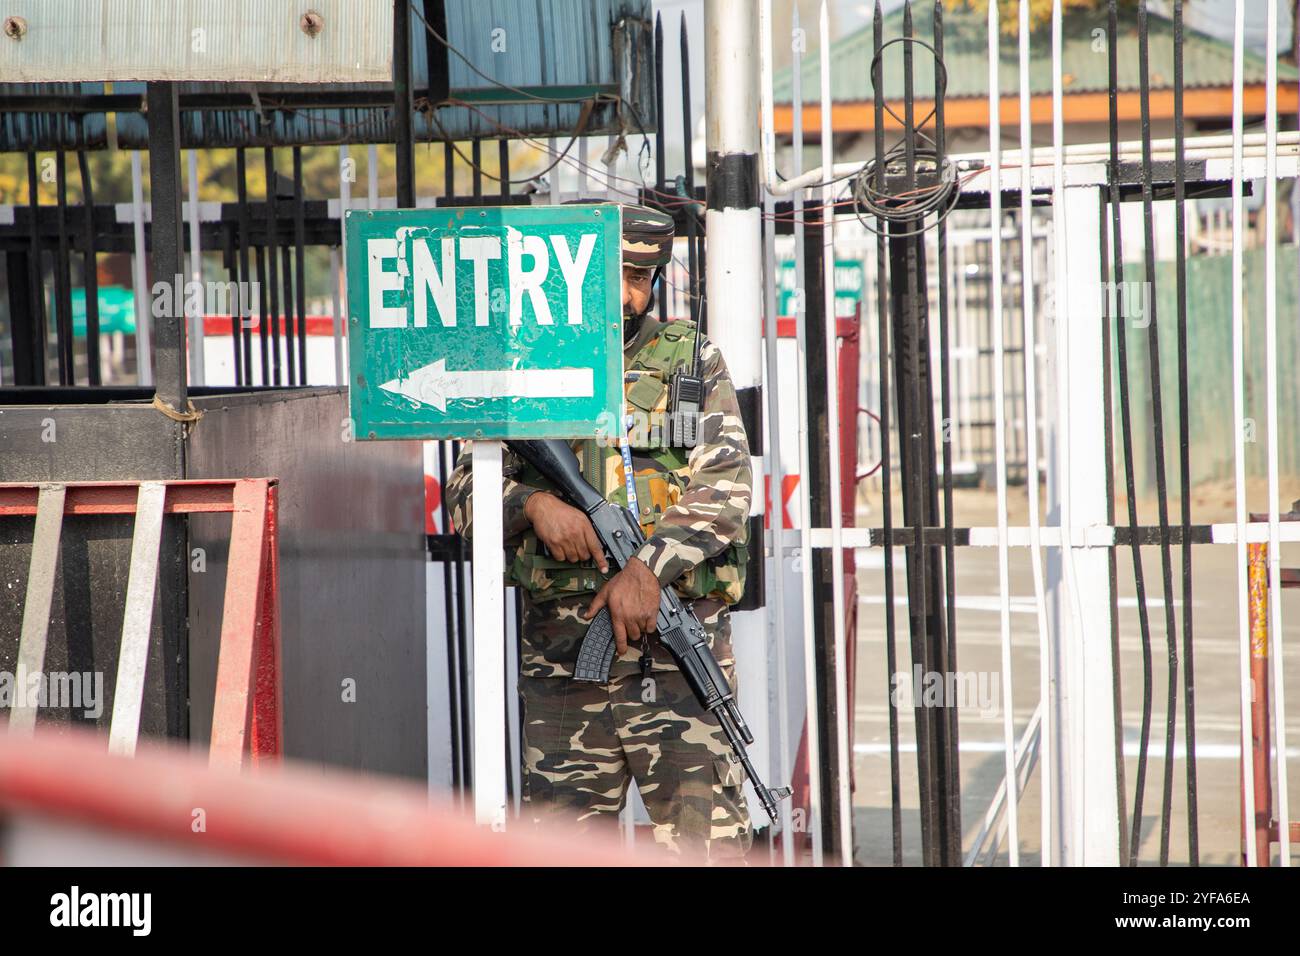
(628, 480)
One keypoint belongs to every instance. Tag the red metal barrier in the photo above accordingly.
(284, 814)
(247, 714)
(1259, 823)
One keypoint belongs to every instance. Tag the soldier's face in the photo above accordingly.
(636, 289)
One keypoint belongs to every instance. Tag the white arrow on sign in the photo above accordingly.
(434, 385)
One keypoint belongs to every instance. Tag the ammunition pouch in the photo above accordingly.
(657, 489)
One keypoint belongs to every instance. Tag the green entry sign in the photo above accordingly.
(485, 322)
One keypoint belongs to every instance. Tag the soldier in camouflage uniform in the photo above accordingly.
(583, 742)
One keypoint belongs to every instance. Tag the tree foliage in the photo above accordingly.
(1040, 11)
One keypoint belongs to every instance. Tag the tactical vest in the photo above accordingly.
(661, 476)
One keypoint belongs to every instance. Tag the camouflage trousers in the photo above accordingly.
(584, 743)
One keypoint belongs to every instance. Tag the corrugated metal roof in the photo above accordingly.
(549, 48)
(1207, 62)
(218, 40)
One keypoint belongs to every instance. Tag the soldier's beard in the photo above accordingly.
(632, 319)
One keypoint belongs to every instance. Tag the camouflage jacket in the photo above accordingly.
(700, 524)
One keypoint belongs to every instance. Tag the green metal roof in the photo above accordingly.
(1207, 62)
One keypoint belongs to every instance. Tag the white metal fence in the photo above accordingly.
(1060, 419)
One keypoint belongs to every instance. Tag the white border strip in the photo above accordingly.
(1000, 427)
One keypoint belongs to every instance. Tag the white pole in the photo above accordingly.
(1087, 701)
(776, 518)
(1000, 431)
(197, 361)
(489, 637)
(1031, 427)
(843, 768)
(812, 720)
(1274, 542)
(1239, 419)
(1055, 696)
(732, 229)
(140, 277)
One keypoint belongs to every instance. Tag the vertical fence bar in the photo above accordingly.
(1112, 563)
(775, 509)
(1030, 340)
(290, 353)
(1158, 431)
(1239, 408)
(91, 278)
(36, 274)
(299, 262)
(886, 470)
(661, 186)
(272, 254)
(1274, 439)
(1000, 428)
(659, 159)
(812, 718)
(948, 646)
(1049, 775)
(194, 322)
(63, 276)
(1184, 440)
(688, 208)
(1120, 311)
(842, 705)
(503, 166)
(916, 482)
(230, 261)
(338, 255)
(403, 136)
(264, 315)
(238, 325)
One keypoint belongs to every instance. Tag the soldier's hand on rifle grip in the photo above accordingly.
(632, 597)
(564, 529)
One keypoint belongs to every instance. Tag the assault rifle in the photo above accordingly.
(679, 629)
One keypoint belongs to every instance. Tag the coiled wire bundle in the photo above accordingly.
(936, 187)
(936, 192)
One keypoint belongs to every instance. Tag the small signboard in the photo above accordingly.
(850, 280)
(485, 322)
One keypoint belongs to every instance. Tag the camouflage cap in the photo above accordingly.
(647, 234)
(647, 237)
